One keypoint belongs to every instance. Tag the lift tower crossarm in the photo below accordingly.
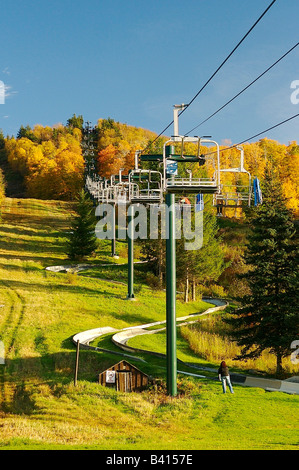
(174, 158)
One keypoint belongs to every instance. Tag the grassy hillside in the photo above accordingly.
(40, 311)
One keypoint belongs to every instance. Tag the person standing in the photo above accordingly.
(224, 377)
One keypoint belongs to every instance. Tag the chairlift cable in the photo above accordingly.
(254, 136)
(235, 48)
(244, 89)
(217, 70)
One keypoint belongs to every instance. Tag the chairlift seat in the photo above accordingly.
(146, 196)
(194, 185)
(232, 199)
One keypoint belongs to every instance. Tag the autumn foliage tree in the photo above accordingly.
(284, 159)
(50, 161)
(117, 144)
(108, 163)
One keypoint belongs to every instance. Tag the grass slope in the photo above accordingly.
(41, 311)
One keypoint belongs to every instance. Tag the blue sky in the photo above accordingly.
(133, 60)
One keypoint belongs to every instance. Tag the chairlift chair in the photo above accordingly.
(145, 186)
(233, 196)
(177, 184)
(121, 192)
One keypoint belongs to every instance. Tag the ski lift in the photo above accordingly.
(120, 185)
(121, 192)
(93, 187)
(234, 196)
(104, 192)
(176, 184)
(115, 190)
(145, 186)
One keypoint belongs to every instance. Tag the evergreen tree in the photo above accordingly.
(26, 132)
(268, 318)
(204, 265)
(75, 122)
(2, 140)
(83, 241)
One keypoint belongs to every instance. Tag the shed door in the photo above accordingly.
(124, 381)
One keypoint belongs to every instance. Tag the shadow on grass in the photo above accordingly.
(44, 261)
(36, 222)
(20, 379)
(13, 267)
(32, 246)
(72, 289)
(42, 233)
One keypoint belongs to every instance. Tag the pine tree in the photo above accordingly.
(26, 132)
(75, 122)
(268, 318)
(204, 265)
(83, 241)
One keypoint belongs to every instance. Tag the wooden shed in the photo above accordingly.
(124, 377)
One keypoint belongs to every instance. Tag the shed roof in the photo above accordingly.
(127, 363)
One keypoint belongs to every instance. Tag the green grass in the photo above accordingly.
(40, 312)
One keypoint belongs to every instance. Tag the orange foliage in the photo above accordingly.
(53, 165)
(108, 164)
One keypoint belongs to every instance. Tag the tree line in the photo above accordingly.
(51, 161)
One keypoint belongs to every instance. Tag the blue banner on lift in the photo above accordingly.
(199, 203)
(258, 199)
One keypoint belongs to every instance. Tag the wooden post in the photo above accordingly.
(77, 363)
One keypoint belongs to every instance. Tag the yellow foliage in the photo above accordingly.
(53, 165)
(52, 169)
